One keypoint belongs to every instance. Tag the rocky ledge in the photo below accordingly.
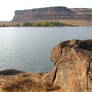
(72, 71)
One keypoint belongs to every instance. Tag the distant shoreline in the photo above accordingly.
(46, 23)
(35, 24)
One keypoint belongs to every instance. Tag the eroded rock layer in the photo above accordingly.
(53, 14)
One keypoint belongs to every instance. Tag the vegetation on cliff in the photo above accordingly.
(45, 24)
(34, 24)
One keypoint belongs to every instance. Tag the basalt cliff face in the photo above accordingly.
(43, 14)
(72, 71)
(62, 14)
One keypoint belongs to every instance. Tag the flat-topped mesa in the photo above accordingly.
(73, 65)
(82, 16)
(42, 14)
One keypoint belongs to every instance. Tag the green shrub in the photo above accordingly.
(37, 24)
(45, 24)
(17, 25)
(3, 25)
(27, 24)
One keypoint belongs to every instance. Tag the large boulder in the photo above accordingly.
(73, 66)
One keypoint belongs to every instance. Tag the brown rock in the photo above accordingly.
(73, 66)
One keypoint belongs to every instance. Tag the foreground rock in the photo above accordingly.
(73, 66)
(72, 71)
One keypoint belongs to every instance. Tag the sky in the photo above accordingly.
(8, 7)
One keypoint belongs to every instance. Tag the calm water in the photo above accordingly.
(29, 48)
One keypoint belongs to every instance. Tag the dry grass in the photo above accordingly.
(28, 82)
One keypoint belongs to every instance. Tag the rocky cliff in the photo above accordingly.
(40, 14)
(73, 66)
(53, 14)
(72, 71)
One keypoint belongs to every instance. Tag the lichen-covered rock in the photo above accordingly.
(73, 65)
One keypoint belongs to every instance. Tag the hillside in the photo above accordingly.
(62, 14)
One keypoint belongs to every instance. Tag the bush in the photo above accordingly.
(17, 25)
(37, 24)
(51, 25)
(3, 25)
(27, 24)
(45, 24)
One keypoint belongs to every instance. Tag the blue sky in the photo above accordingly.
(7, 7)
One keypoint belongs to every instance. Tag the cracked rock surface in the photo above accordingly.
(73, 65)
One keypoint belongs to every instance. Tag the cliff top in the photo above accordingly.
(54, 7)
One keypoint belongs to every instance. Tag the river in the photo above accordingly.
(29, 48)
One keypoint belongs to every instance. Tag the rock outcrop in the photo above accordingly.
(54, 14)
(73, 66)
(10, 72)
(72, 71)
